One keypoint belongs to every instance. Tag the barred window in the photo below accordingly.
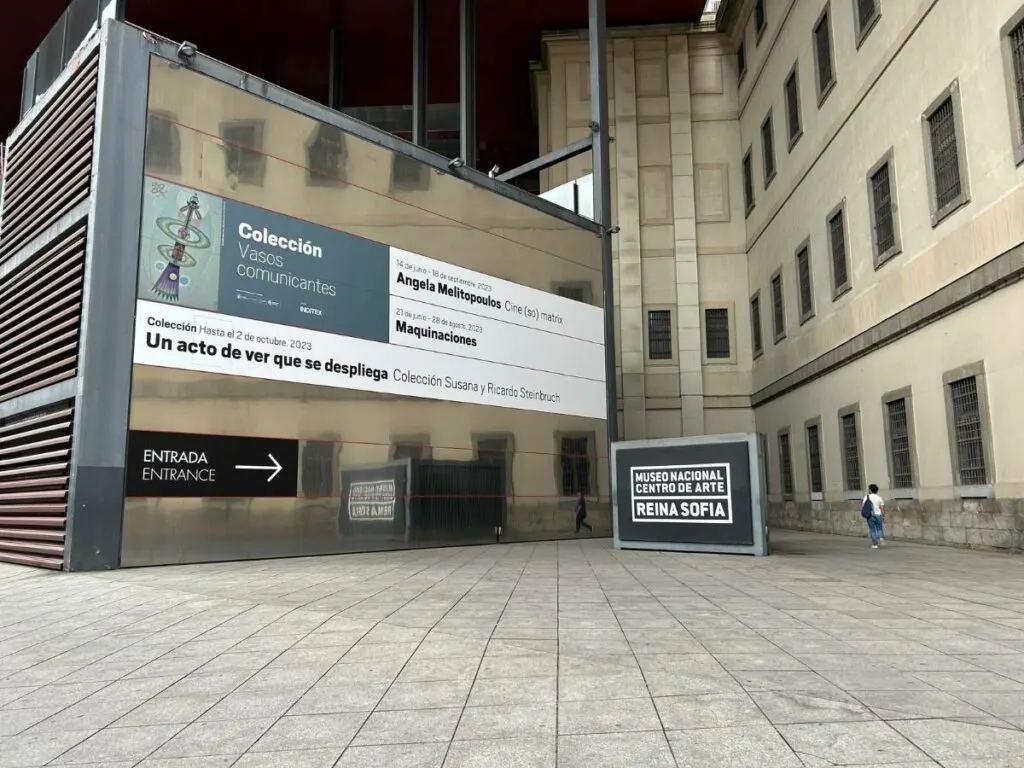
(325, 157)
(768, 149)
(899, 444)
(803, 276)
(851, 454)
(793, 125)
(748, 183)
(760, 17)
(881, 204)
(575, 461)
(1017, 56)
(837, 244)
(755, 324)
(659, 334)
(574, 292)
(243, 155)
(741, 60)
(823, 53)
(317, 469)
(716, 333)
(408, 174)
(408, 450)
(495, 452)
(785, 465)
(945, 158)
(814, 457)
(778, 309)
(867, 12)
(970, 451)
(163, 143)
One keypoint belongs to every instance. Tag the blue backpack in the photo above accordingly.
(867, 509)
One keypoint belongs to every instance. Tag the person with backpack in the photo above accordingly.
(581, 514)
(872, 509)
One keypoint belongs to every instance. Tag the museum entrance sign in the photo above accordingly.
(702, 494)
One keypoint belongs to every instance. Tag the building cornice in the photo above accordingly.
(645, 30)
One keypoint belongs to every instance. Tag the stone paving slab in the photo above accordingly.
(563, 654)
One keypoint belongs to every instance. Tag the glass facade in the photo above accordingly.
(424, 470)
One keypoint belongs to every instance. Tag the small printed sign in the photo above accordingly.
(372, 500)
(681, 493)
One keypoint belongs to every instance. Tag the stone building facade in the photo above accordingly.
(821, 234)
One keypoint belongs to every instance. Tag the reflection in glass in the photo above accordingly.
(455, 471)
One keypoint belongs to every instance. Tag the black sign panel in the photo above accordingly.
(697, 494)
(172, 464)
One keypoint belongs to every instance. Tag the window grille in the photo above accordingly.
(573, 292)
(716, 331)
(575, 459)
(899, 444)
(803, 272)
(837, 241)
(945, 159)
(1017, 55)
(325, 156)
(243, 155)
(317, 469)
(851, 456)
(823, 53)
(408, 174)
(768, 149)
(163, 144)
(793, 105)
(814, 457)
(408, 451)
(659, 334)
(778, 309)
(494, 451)
(881, 199)
(785, 465)
(755, 325)
(970, 451)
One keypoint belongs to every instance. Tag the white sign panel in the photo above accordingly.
(169, 336)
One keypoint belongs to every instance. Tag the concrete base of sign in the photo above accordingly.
(690, 494)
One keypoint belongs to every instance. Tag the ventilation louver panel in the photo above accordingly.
(40, 317)
(48, 167)
(35, 461)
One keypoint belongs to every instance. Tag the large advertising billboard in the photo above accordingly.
(229, 288)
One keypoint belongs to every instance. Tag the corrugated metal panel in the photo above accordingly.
(35, 464)
(48, 167)
(40, 317)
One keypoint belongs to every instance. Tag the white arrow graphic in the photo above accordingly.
(273, 469)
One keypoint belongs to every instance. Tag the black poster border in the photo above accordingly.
(758, 494)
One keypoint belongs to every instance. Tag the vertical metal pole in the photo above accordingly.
(334, 75)
(603, 197)
(467, 82)
(419, 72)
(109, 287)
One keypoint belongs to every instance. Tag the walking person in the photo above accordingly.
(581, 514)
(873, 509)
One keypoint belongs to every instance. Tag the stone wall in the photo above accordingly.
(981, 524)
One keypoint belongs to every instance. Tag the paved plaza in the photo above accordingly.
(567, 654)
